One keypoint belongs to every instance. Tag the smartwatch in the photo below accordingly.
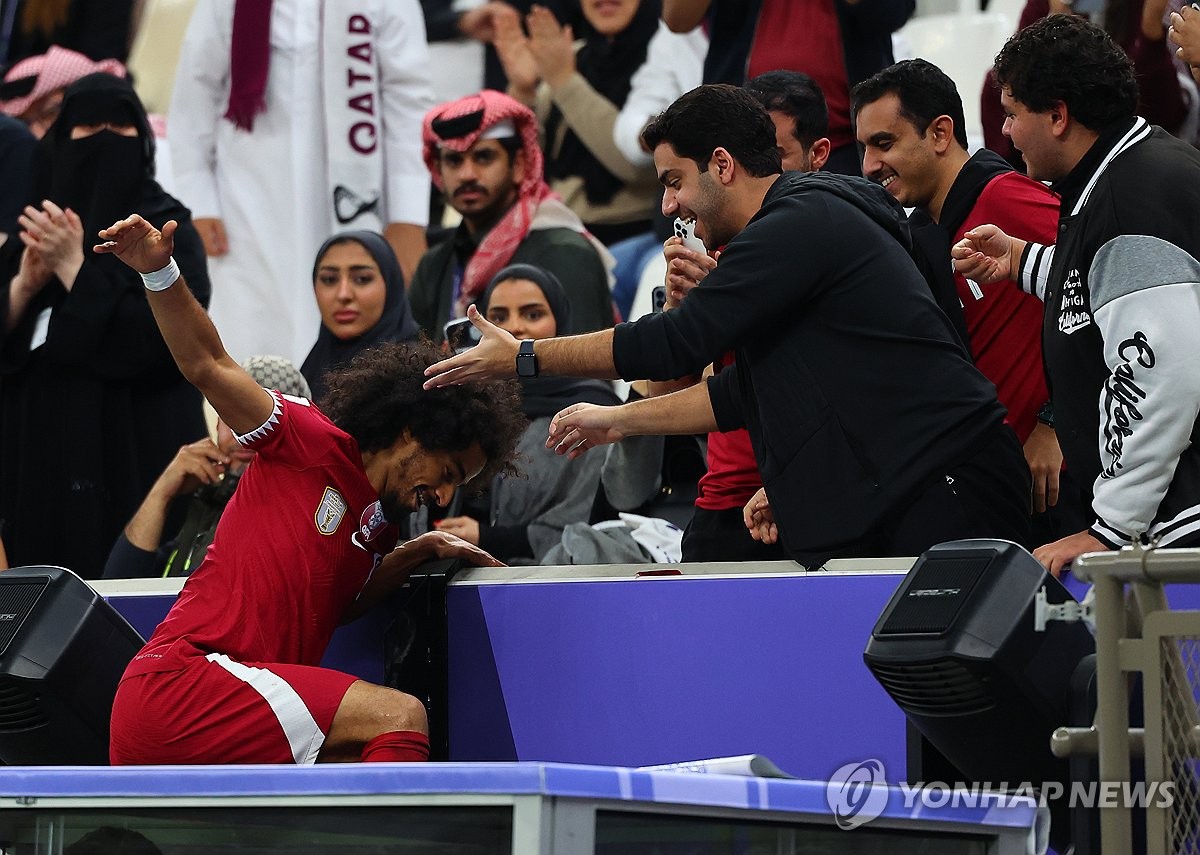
(1046, 415)
(527, 364)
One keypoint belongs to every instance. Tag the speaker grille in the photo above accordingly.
(943, 687)
(935, 593)
(17, 599)
(20, 706)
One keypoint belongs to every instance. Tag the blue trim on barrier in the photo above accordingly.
(545, 779)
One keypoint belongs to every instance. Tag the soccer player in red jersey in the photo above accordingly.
(232, 673)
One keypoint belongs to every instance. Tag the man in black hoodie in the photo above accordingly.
(874, 432)
(909, 121)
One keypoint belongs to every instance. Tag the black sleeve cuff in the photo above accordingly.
(724, 393)
(127, 561)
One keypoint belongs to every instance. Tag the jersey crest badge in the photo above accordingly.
(330, 512)
(371, 523)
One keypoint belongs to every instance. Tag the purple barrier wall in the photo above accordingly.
(634, 672)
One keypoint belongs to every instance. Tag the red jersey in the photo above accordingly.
(732, 476)
(1003, 322)
(805, 35)
(294, 547)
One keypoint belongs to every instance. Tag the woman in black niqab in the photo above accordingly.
(92, 407)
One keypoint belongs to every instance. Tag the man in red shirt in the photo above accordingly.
(909, 121)
(231, 675)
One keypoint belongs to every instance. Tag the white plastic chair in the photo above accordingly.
(963, 45)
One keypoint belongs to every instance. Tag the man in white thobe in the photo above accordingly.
(336, 147)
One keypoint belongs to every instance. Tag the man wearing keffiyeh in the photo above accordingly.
(482, 152)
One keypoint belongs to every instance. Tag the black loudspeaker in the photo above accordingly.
(416, 647)
(957, 650)
(62, 652)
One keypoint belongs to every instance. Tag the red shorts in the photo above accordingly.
(214, 710)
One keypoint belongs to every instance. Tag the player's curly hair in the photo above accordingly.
(378, 395)
(1066, 58)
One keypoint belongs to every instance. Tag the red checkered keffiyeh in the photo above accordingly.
(501, 242)
(57, 68)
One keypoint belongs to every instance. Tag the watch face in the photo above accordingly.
(527, 365)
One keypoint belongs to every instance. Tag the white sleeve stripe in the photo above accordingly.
(1034, 270)
(1180, 526)
(1110, 534)
(267, 426)
(303, 735)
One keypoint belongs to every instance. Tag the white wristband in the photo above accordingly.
(161, 280)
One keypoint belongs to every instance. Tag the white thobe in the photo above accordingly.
(269, 185)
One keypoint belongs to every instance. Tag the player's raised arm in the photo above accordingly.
(185, 326)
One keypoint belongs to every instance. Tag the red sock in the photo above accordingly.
(397, 746)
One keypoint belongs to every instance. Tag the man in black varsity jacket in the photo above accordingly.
(1121, 334)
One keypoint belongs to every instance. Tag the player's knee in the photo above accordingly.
(400, 711)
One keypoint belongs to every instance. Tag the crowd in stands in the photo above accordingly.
(301, 129)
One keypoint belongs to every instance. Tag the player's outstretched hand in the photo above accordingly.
(444, 545)
(494, 356)
(582, 426)
(139, 244)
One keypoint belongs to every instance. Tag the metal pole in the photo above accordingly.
(1112, 710)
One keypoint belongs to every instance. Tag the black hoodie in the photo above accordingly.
(850, 379)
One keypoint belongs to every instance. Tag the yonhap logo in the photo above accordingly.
(857, 793)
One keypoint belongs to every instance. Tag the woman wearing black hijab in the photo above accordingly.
(360, 292)
(519, 519)
(92, 406)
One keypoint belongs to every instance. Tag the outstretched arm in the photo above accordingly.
(186, 328)
(582, 426)
(986, 255)
(395, 568)
(588, 355)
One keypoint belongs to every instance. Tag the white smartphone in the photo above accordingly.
(685, 230)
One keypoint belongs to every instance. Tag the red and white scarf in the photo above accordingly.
(537, 206)
(350, 94)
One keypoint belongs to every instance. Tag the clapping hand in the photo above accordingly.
(56, 235)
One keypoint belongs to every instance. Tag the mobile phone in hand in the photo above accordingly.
(685, 230)
(658, 298)
(461, 334)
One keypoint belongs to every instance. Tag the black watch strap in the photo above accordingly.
(1046, 415)
(527, 364)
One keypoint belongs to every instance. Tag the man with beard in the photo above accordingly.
(231, 674)
(482, 152)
